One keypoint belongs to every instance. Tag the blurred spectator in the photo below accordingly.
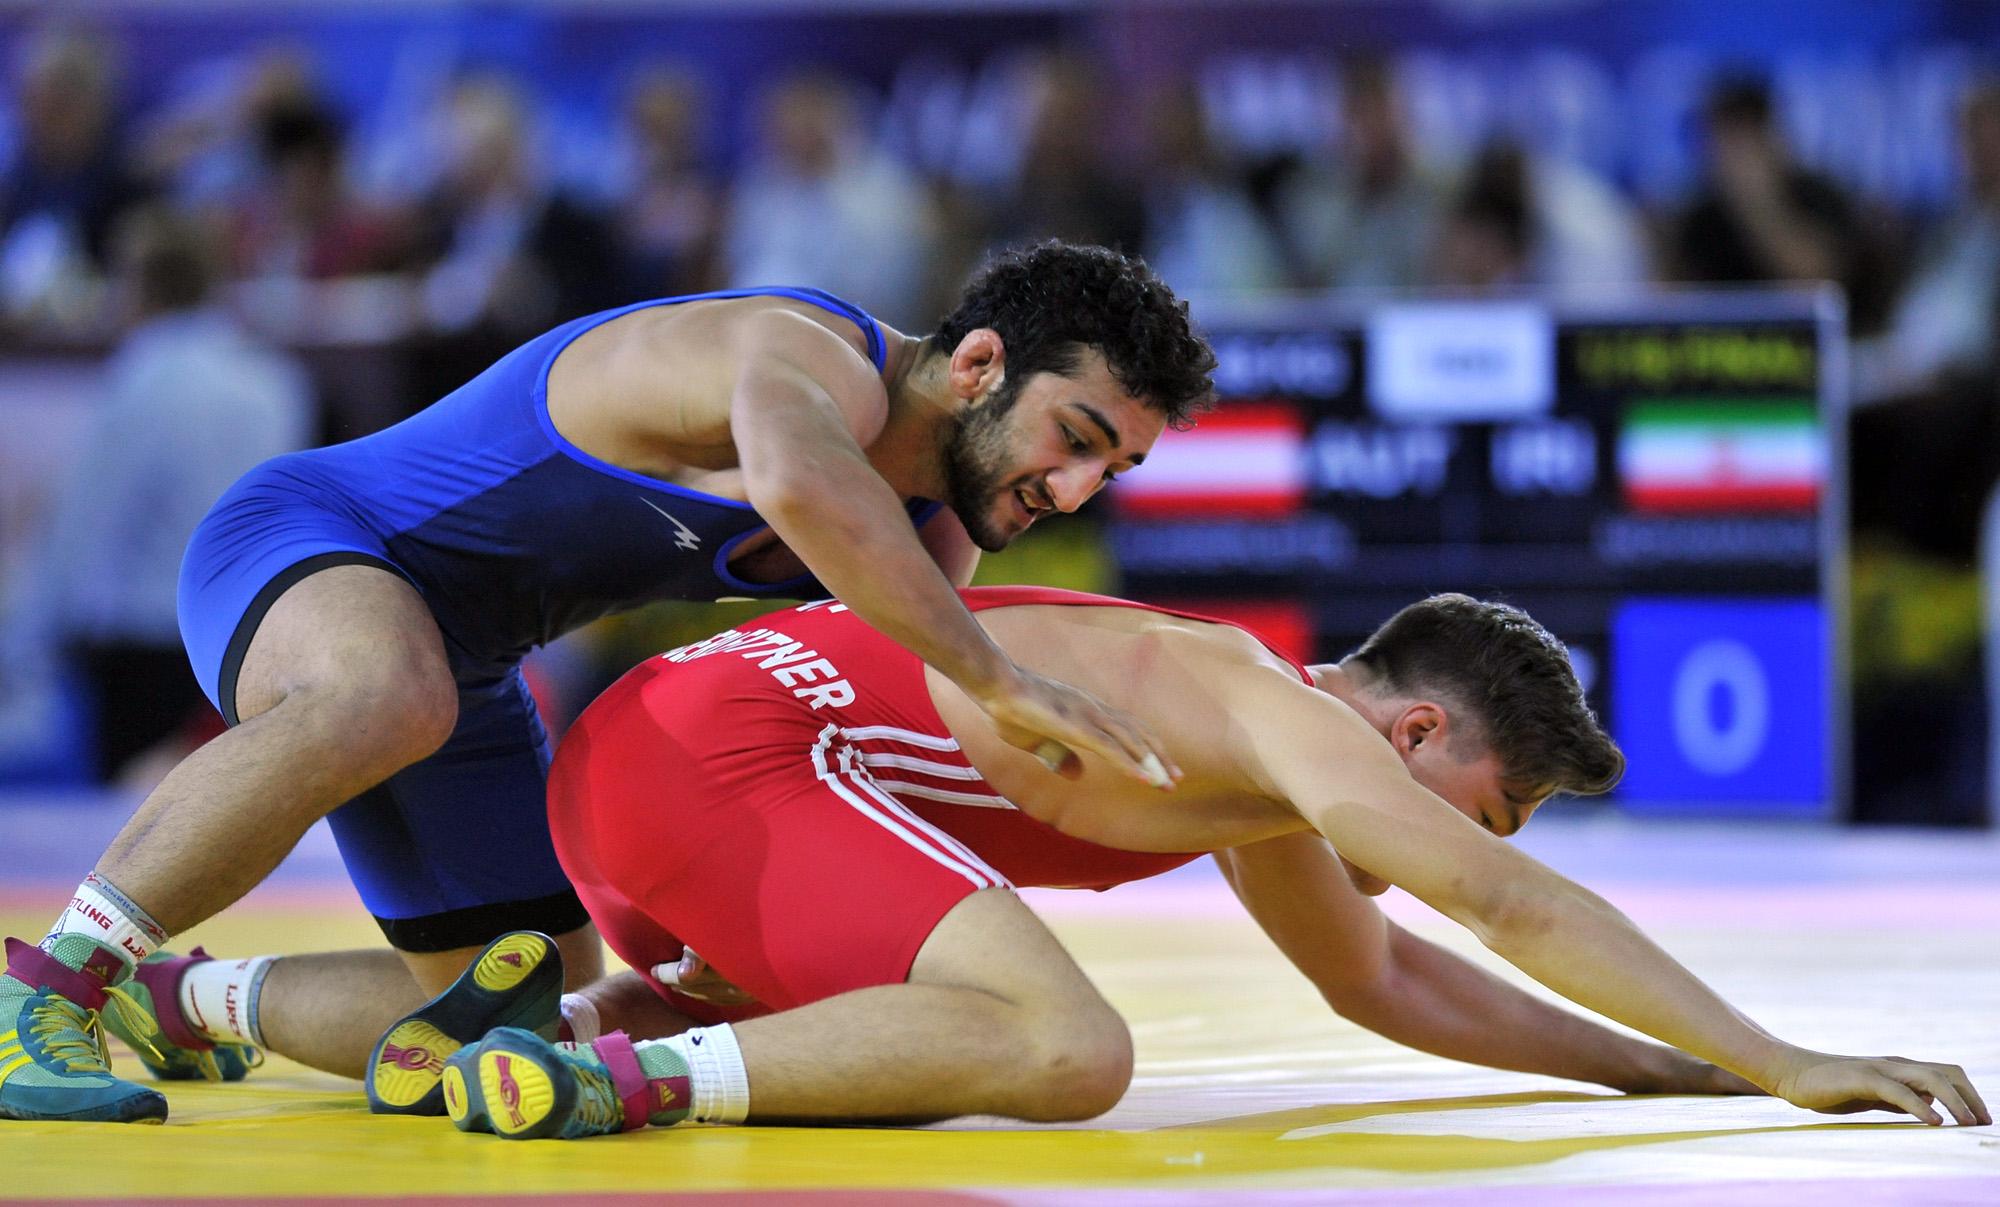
(1763, 217)
(1520, 219)
(1587, 233)
(668, 222)
(824, 207)
(1069, 186)
(1926, 452)
(193, 403)
(300, 220)
(203, 148)
(1487, 236)
(68, 184)
(508, 256)
(1203, 232)
(1943, 325)
(1368, 217)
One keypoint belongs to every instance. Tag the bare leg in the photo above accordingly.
(344, 684)
(327, 1009)
(995, 1019)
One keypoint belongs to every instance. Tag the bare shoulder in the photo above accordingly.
(1200, 684)
(1186, 679)
(1135, 638)
(651, 389)
(647, 350)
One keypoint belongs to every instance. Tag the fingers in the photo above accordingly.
(1054, 722)
(1131, 743)
(1843, 1085)
(1059, 759)
(1963, 1084)
(678, 974)
(1892, 1092)
(1931, 1081)
(1095, 728)
(693, 976)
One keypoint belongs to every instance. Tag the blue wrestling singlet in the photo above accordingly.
(513, 536)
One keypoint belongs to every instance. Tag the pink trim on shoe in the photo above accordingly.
(37, 969)
(162, 978)
(627, 1077)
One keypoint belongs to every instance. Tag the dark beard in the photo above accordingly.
(975, 471)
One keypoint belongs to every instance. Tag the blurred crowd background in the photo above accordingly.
(265, 227)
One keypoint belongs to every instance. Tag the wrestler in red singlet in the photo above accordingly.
(784, 799)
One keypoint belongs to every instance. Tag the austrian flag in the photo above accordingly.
(1243, 459)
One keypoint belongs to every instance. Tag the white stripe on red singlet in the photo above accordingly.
(867, 783)
(978, 873)
(975, 799)
(862, 733)
(944, 771)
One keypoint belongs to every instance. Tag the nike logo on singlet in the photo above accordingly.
(686, 538)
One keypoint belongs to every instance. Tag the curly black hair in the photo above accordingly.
(1051, 300)
(1512, 675)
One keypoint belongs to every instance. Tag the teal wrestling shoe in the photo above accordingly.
(171, 1049)
(520, 1086)
(516, 982)
(53, 1064)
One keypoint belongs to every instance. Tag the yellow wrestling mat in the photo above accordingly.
(1248, 1088)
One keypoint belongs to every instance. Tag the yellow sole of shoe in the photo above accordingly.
(518, 1093)
(509, 962)
(412, 1059)
(455, 1102)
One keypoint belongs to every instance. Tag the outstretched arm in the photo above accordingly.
(1317, 754)
(803, 405)
(1379, 975)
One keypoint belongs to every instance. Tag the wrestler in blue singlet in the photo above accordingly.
(513, 536)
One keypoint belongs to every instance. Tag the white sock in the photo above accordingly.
(103, 913)
(218, 999)
(581, 1015)
(717, 1079)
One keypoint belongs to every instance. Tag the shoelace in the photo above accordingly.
(598, 1106)
(72, 1034)
(205, 1062)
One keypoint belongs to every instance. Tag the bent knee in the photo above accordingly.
(402, 716)
(381, 719)
(1081, 1070)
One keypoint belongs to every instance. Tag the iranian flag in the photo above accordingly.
(1740, 455)
(1243, 459)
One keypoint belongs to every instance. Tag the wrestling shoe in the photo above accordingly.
(173, 1051)
(516, 982)
(53, 1065)
(520, 1086)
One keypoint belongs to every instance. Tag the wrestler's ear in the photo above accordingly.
(978, 364)
(1419, 725)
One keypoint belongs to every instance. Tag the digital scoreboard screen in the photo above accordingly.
(1657, 481)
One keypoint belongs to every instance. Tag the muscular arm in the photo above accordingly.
(1379, 975)
(804, 404)
(1315, 753)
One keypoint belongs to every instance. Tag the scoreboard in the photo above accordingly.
(1657, 479)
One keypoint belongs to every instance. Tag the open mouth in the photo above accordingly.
(1029, 507)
